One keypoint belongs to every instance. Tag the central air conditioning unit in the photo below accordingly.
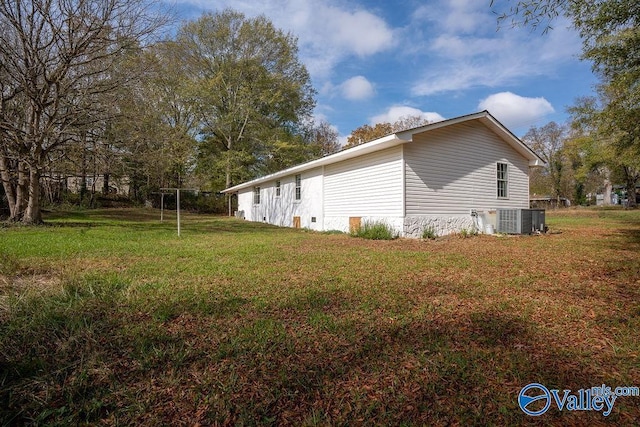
(520, 221)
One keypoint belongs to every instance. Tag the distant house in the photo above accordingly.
(96, 184)
(447, 176)
(548, 202)
(620, 195)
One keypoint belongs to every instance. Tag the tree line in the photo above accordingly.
(96, 88)
(92, 88)
(601, 143)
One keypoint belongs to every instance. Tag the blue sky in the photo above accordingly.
(378, 60)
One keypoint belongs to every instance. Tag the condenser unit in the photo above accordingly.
(520, 221)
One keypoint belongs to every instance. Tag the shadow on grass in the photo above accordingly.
(92, 356)
(96, 354)
(144, 219)
(435, 372)
(629, 236)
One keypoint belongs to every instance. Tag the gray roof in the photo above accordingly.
(398, 138)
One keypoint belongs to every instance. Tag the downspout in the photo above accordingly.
(403, 179)
(322, 201)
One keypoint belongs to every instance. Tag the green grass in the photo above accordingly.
(108, 317)
(375, 230)
(429, 233)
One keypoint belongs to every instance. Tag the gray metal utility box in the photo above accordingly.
(520, 221)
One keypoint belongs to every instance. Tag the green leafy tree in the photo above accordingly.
(611, 41)
(157, 125)
(604, 146)
(585, 178)
(253, 94)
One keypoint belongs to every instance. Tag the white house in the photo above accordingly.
(447, 176)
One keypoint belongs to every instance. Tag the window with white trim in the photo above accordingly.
(277, 188)
(256, 195)
(298, 187)
(502, 177)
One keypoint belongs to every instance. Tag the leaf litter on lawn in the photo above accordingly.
(245, 324)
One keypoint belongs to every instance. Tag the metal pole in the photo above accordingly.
(178, 209)
(161, 207)
(177, 190)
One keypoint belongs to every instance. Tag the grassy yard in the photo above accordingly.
(107, 317)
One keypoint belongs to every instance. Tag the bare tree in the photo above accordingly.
(548, 141)
(57, 59)
(324, 139)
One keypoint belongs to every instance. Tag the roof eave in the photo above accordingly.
(408, 134)
(368, 147)
(492, 123)
(514, 141)
(400, 138)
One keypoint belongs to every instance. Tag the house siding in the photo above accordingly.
(452, 170)
(437, 177)
(245, 199)
(369, 187)
(280, 210)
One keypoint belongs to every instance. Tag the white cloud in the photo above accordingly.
(560, 44)
(515, 111)
(395, 112)
(319, 117)
(465, 76)
(467, 51)
(359, 32)
(455, 16)
(357, 88)
(328, 32)
(467, 16)
(461, 47)
(343, 139)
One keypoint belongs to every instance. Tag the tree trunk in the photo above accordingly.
(33, 215)
(631, 178)
(631, 194)
(92, 199)
(608, 190)
(9, 189)
(21, 190)
(83, 188)
(228, 175)
(557, 177)
(105, 184)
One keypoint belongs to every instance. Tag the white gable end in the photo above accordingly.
(453, 170)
